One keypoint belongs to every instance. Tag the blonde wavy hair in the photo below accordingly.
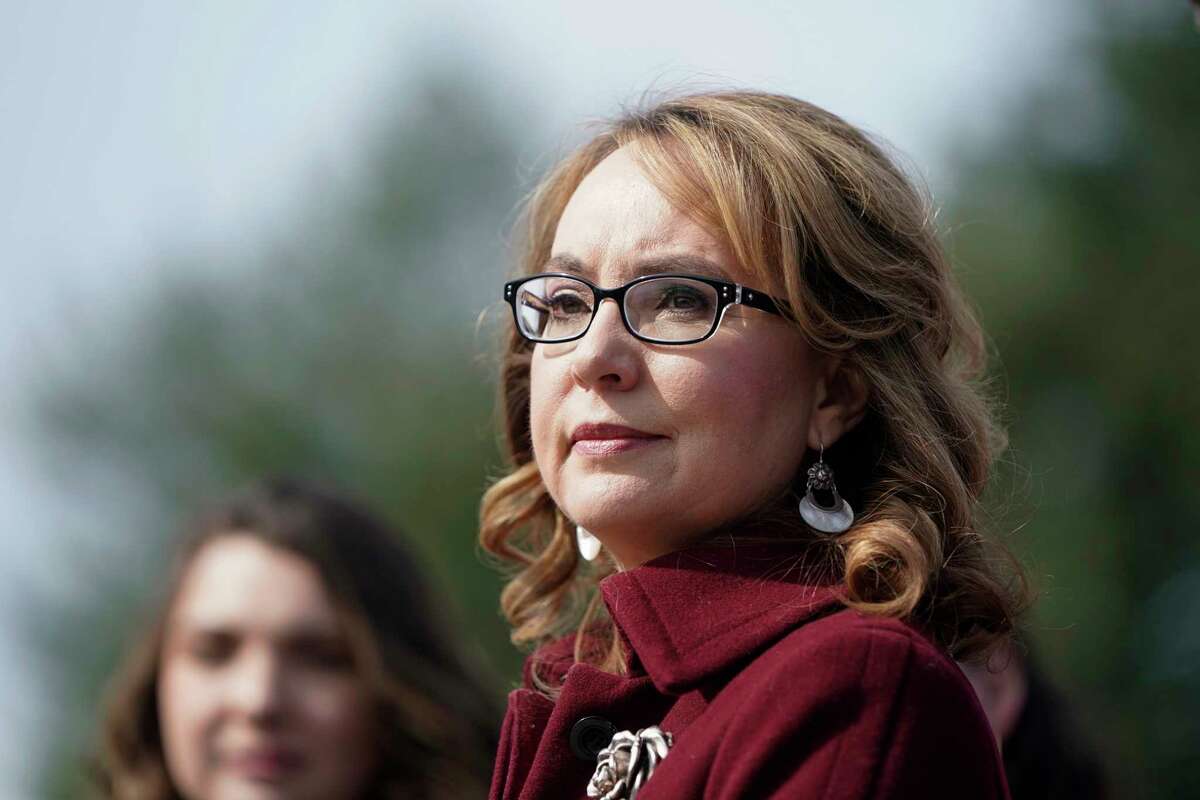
(818, 215)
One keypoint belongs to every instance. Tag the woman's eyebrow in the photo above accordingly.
(691, 264)
(565, 263)
(221, 627)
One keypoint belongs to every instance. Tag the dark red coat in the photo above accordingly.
(770, 689)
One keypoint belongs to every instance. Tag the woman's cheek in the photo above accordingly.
(341, 733)
(187, 713)
(340, 710)
(544, 403)
(746, 422)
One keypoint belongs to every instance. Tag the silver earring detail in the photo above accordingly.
(589, 546)
(835, 517)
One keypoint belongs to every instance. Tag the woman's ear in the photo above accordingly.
(841, 402)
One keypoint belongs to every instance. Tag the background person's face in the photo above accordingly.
(258, 696)
(729, 416)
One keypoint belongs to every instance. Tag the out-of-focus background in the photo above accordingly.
(239, 238)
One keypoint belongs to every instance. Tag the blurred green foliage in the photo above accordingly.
(1078, 232)
(348, 350)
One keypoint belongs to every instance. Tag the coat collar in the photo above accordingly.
(693, 614)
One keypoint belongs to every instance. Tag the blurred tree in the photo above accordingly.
(1078, 231)
(347, 351)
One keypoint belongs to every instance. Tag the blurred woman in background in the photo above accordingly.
(300, 655)
(1047, 755)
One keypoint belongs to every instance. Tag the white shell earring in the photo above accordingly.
(589, 546)
(832, 517)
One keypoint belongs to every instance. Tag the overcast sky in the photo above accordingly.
(129, 129)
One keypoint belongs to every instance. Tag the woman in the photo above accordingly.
(773, 441)
(298, 655)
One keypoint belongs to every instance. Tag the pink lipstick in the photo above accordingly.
(600, 439)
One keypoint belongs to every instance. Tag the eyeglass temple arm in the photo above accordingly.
(756, 299)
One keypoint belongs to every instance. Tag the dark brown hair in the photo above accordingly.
(438, 723)
(817, 214)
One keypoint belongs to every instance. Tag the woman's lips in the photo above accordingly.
(266, 764)
(600, 439)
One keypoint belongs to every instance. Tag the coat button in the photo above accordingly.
(590, 735)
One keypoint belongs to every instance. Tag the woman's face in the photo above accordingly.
(716, 428)
(258, 696)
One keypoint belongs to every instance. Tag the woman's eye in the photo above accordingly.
(328, 656)
(566, 303)
(680, 299)
(212, 649)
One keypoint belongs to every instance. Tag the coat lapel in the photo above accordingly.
(692, 615)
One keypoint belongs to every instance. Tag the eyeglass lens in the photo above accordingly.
(555, 308)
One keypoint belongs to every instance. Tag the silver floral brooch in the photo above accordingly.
(627, 763)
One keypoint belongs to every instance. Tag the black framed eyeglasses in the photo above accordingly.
(661, 309)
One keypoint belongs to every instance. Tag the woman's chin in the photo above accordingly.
(608, 500)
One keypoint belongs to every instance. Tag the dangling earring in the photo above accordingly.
(835, 517)
(589, 546)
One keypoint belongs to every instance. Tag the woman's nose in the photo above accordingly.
(608, 356)
(257, 686)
